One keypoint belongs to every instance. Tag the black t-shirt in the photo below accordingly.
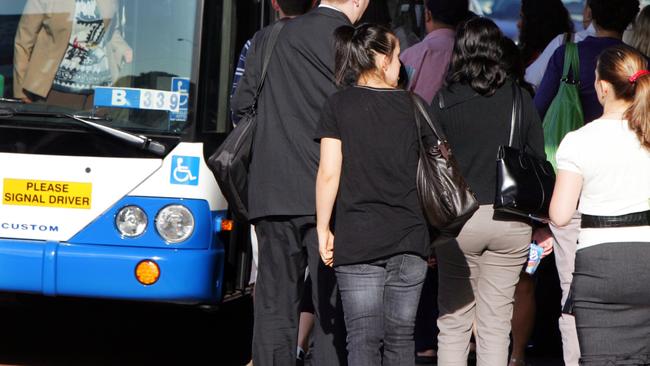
(378, 213)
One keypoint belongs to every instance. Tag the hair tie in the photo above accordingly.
(638, 74)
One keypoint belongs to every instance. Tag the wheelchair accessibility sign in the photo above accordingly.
(185, 170)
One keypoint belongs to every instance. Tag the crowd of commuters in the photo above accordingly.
(333, 185)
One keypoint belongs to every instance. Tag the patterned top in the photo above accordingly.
(84, 63)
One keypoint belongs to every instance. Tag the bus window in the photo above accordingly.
(222, 48)
(117, 218)
(130, 60)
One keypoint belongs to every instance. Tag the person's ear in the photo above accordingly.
(427, 16)
(385, 63)
(604, 88)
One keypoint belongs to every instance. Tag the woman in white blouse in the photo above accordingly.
(605, 166)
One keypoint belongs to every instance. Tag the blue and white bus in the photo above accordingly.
(111, 197)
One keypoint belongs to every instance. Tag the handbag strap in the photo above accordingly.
(268, 52)
(421, 112)
(517, 116)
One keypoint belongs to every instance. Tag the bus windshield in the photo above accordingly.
(130, 62)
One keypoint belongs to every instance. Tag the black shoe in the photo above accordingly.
(300, 358)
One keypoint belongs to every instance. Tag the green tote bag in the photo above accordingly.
(565, 113)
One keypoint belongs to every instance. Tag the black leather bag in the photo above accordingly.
(446, 198)
(230, 162)
(524, 182)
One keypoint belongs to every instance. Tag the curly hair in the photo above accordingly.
(476, 59)
(541, 21)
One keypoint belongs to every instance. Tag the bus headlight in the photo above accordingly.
(175, 223)
(131, 221)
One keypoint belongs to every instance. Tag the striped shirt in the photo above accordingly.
(239, 72)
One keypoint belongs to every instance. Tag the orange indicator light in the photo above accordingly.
(227, 225)
(147, 272)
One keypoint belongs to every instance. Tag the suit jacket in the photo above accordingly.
(300, 78)
(42, 38)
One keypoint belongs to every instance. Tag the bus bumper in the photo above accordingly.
(101, 271)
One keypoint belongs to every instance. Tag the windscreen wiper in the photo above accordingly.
(139, 141)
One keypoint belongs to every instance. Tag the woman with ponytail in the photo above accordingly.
(604, 170)
(368, 163)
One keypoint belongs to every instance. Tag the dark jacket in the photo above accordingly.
(476, 126)
(300, 77)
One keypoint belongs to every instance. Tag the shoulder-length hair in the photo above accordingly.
(476, 59)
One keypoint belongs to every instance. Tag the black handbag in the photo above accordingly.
(445, 197)
(230, 162)
(524, 182)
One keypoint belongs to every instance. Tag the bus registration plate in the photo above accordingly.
(133, 98)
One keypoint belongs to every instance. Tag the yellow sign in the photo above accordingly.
(27, 192)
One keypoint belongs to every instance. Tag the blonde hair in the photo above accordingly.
(641, 32)
(617, 65)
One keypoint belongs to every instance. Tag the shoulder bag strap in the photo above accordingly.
(418, 123)
(420, 111)
(268, 52)
(571, 64)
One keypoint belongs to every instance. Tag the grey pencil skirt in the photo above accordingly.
(611, 302)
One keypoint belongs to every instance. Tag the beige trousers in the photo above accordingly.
(565, 246)
(478, 274)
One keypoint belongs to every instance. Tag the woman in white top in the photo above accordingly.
(605, 166)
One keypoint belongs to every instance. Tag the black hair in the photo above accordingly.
(295, 7)
(541, 21)
(613, 15)
(377, 13)
(356, 49)
(476, 59)
(450, 12)
(514, 65)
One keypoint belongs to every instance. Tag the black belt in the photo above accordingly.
(633, 219)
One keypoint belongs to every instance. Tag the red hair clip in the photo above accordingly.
(638, 74)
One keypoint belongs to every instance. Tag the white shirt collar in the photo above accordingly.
(590, 31)
(329, 7)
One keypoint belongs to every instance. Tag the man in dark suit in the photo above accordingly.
(282, 184)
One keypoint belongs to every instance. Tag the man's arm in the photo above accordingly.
(239, 73)
(244, 95)
(535, 72)
(550, 83)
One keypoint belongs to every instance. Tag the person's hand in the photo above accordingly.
(26, 100)
(326, 246)
(432, 262)
(544, 239)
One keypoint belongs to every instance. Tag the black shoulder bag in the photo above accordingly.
(230, 163)
(524, 182)
(446, 198)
